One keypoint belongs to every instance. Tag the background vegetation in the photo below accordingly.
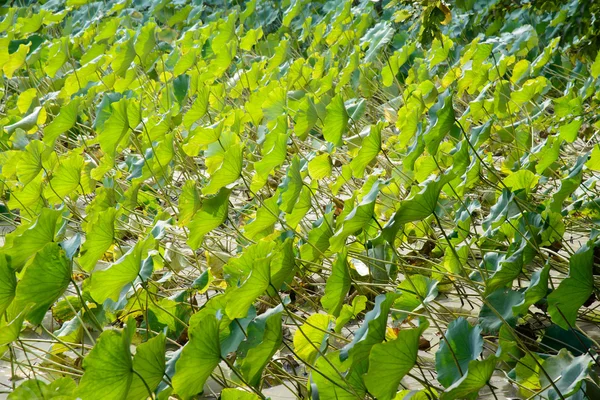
(328, 199)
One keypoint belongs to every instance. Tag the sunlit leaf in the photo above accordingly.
(199, 357)
(64, 121)
(241, 298)
(8, 284)
(337, 285)
(228, 172)
(264, 338)
(336, 121)
(99, 237)
(309, 337)
(30, 241)
(370, 147)
(109, 282)
(108, 368)
(564, 302)
(44, 281)
(390, 361)
(35, 389)
(211, 215)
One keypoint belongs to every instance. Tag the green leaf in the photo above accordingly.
(202, 136)
(376, 37)
(569, 131)
(145, 41)
(567, 373)
(309, 337)
(413, 395)
(369, 149)
(241, 298)
(358, 219)
(442, 119)
(229, 171)
(266, 217)
(16, 60)
(181, 86)
(35, 389)
(30, 163)
(520, 70)
(461, 344)
(568, 185)
(416, 291)
(99, 237)
(45, 279)
(305, 118)
(509, 268)
(211, 215)
(251, 38)
(64, 121)
(320, 166)
(369, 334)
(59, 53)
(594, 161)
(547, 155)
(538, 287)
(501, 97)
(274, 152)
(292, 12)
(359, 303)
(478, 375)
(499, 302)
(526, 374)
(337, 286)
(149, 363)
(238, 394)
(397, 60)
(389, 362)
(301, 208)
(545, 56)
(112, 133)
(25, 123)
(124, 54)
(522, 179)
(421, 206)
(529, 90)
(573, 291)
(198, 109)
(556, 338)
(238, 268)
(440, 49)
(291, 186)
(283, 264)
(108, 368)
(264, 337)
(318, 238)
(67, 179)
(336, 121)
(26, 99)
(10, 329)
(35, 238)
(199, 357)
(108, 283)
(595, 68)
(8, 284)
(189, 202)
(327, 379)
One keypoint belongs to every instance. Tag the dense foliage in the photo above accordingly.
(338, 199)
